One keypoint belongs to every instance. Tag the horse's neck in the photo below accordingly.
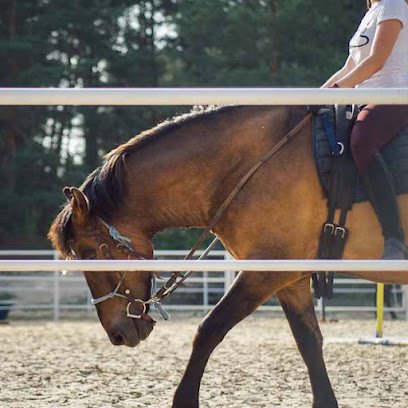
(182, 178)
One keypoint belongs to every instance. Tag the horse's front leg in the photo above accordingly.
(249, 290)
(296, 301)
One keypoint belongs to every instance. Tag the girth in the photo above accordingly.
(343, 180)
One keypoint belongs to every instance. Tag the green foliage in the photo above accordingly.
(6, 297)
(262, 42)
(146, 43)
(181, 239)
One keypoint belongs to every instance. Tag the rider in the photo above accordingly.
(379, 59)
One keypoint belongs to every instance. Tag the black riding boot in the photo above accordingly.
(379, 185)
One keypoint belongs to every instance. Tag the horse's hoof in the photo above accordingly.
(325, 404)
(184, 402)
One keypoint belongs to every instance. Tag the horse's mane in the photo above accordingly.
(105, 187)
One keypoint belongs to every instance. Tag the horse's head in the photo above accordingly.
(118, 296)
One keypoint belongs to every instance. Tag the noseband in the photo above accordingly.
(131, 301)
(136, 308)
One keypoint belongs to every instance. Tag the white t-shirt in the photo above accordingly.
(394, 74)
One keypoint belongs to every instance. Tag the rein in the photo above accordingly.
(177, 278)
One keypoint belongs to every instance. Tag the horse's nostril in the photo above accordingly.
(116, 338)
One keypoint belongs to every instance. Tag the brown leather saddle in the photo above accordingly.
(332, 127)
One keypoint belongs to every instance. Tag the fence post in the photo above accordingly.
(89, 305)
(205, 292)
(321, 308)
(380, 311)
(228, 276)
(56, 303)
(405, 299)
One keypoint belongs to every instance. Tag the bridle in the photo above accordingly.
(124, 245)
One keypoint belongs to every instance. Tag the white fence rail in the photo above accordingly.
(207, 285)
(281, 266)
(204, 96)
(57, 285)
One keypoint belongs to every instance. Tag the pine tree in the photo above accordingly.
(144, 43)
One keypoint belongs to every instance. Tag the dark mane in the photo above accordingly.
(60, 231)
(105, 187)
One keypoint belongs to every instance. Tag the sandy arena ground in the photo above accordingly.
(73, 365)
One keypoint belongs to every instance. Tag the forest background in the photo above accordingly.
(122, 43)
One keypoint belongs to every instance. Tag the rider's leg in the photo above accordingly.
(377, 125)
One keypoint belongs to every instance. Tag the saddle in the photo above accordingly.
(338, 176)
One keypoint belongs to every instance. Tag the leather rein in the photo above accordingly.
(138, 308)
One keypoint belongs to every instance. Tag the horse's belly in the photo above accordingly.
(366, 239)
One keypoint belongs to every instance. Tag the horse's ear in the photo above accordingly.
(67, 192)
(79, 202)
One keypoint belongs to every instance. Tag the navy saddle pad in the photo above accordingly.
(395, 154)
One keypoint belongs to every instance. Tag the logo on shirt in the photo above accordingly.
(363, 40)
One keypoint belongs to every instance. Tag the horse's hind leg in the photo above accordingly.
(249, 290)
(296, 301)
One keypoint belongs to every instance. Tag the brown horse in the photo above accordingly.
(177, 175)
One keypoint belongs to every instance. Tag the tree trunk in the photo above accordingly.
(8, 174)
